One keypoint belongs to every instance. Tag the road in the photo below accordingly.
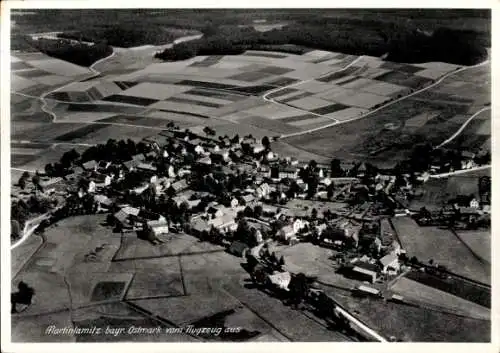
(96, 73)
(464, 125)
(386, 104)
(267, 99)
(458, 172)
(29, 228)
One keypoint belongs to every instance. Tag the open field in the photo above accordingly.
(429, 116)
(422, 294)
(413, 324)
(181, 289)
(438, 192)
(478, 241)
(442, 246)
(205, 87)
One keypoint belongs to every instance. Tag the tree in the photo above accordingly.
(266, 143)
(257, 211)
(335, 169)
(22, 183)
(298, 288)
(15, 229)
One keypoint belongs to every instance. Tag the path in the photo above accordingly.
(265, 96)
(464, 125)
(458, 172)
(386, 104)
(29, 228)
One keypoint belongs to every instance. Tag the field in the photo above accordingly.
(425, 295)
(413, 324)
(249, 92)
(479, 242)
(181, 288)
(432, 116)
(436, 193)
(443, 247)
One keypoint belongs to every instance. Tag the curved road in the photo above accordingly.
(464, 125)
(386, 104)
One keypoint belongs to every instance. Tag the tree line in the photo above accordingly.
(400, 42)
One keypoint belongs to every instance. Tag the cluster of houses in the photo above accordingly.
(176, 161)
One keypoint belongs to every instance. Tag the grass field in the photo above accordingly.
(437, 192)
(422, 294)
(413, 324)
(478, 241)
(442, 246)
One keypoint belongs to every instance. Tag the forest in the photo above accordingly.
(402, 42)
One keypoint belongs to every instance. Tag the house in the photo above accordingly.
(361, 170)
(238, 248)
(234, 202)
(282, 172)
(102, 180)
(364, 274)
(180, 185)
(390, 264)
(90, 165)
(263, 190)
(216, 211)
(221, 155)
(474, 203)
(103, 201)
(205, 161)
(286, 233)
(146, 167)
(131, 165)
(224, 223)
(236, 155)
(248, 198)
(158, 227)
(199, 225)
(347, 166)
(257, 148)
(365, 290)
(467, 164)
(53, 184)
(199, 149)
(139, 157)
(103, 165)
(467, 155)
(126, 213)
(299, 224)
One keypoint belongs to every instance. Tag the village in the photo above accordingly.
(237, 193)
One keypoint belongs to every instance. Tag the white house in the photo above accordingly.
(234, 202)
(199, 149)
(390, 264)
(263, 190)
(286, 233)
(474, 203)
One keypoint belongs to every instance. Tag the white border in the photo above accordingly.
(7, 346)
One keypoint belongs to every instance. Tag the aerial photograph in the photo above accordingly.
(250, 175)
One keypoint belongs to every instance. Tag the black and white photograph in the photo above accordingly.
(242, 175)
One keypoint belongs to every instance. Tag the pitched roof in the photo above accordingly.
(180, 185)
(89, 165)
(138, 157)
(388, 259)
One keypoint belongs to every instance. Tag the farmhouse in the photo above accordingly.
(53, 184)
(390, 264)
(146, 168)
(125, 214)
(180, 185)
(364, 274)
(90, 165)
(158, 227)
